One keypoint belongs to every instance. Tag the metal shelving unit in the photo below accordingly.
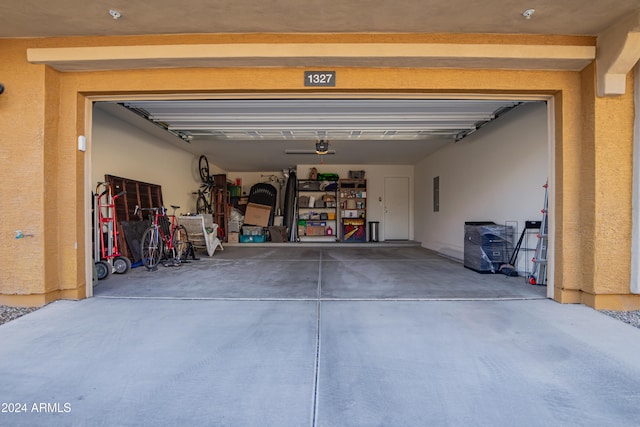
(353, 210)
(317, 211)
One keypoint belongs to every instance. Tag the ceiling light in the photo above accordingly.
(322, 147)
(114, 14)
(299, 151)
(528, 13)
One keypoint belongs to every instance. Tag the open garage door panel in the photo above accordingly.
(359, 131)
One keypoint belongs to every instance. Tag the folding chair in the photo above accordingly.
(203, 233)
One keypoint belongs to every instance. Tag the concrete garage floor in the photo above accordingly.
(306, 272)
(267, 351)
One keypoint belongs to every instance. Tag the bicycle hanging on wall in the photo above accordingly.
(205, 194)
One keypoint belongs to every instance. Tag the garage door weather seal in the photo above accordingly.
(318, 300)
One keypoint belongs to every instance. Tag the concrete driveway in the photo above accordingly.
(336, 357)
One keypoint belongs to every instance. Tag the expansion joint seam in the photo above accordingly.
(314, 414)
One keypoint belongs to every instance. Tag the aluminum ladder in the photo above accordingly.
(540, 261)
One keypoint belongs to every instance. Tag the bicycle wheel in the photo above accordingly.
(203, 167)
(180, 242)
(151, 248)
(201, 204)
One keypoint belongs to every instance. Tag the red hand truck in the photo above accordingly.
(107, 255)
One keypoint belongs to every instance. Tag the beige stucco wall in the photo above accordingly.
(42, 173)
(607, 170)
(24, 155)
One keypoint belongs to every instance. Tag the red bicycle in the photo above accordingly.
(165, 240)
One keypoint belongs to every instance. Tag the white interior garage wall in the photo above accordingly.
(120, 149)
(496, 174)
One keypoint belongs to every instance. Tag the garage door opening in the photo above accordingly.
(492, 171)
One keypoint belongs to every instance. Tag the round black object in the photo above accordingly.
(103, 269)
(1, 88)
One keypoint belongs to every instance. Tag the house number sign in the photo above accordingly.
(319, 78)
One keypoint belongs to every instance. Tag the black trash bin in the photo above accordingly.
(374, 228)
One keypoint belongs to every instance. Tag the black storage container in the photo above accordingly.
(487, 245)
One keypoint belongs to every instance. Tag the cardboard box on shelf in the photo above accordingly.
(233, 237)
(316, 223)
(257, 214)
(315, 230)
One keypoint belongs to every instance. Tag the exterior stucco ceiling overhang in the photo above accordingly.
(73, 18)
(618, 52)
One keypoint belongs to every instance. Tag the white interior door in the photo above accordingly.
(396, 208)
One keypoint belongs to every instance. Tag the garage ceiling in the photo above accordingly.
(271, 135)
